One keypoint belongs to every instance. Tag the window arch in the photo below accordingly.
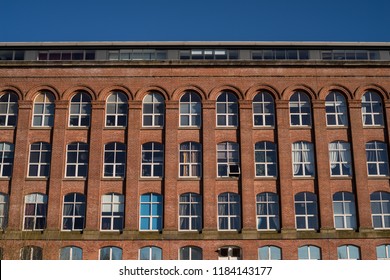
(191, 253)
(43, 112)
(265, 159)
(151, 212)
(190, 110)
(230, 253)
(300, 109)
(309, 252)
(35, 208)
(227, 109)
(80, 110)
(306, 215)
(8, 109)
(4, 204)
(229, 211)
(112, 212)
(303, 159)
(150, 253)
(153, 110)
(6, 159)
(377, 159)
(263, 109)
(31, 253)
(190, 159)
(383, 252)
(267, 211)
(372, 109)
(344, 211)
(114, 160)
(110, 253)
(73, 216)
(39, 161)
(380, 210)
(270, 253)
(340, 159)
(77, 160)
(190, 212)
(152, 164)
(348, 252)
(228, 159)
(71, 253)
(116, 109)
(336, 109)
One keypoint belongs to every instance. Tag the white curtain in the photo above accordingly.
(297, 156)
(307, 156)
(345, 155)
(333, 154)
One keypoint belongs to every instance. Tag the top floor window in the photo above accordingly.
(336, 109)
(153, 110)
(190, 110)
(263, 110)
(300, 112)
(8, 109)
(80, 110)
(116, 110)
(372, 112)
(227, 110)
(43, 110)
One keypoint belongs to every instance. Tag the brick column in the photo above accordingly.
(133, 165)
(286, 195)
(387, 122)
(57, 168)
(171, 166)
(209, 167)
(247, 168)
(362, 196)
(95, 166)
(21, 148)
(322, 166)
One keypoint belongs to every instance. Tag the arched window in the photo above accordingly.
(340, 159)
(229, 253)
(4, 203)
(265, 159)
(270, 253)
(80, 110)
(380, 210)
(383, 252)
(267, 211)
(227, 110)
(300, 112)
(151, 212)
(303, 159)
(263, 110)
(336, 109)
(228, 159)
(152, 164)
(77, 160)
(344, 210)
(229, 211)
(40, 158)
(150, 253)
(190, 159)
(309, 252)
(71, 253)
(372, 111)
(306, 215)
(115, 160)
(8, 109)
(153, 110)
(112, 212)
(190, 110)
(348, 252)
(110, 253)
(31, 253)
(116, 110)
(6, 159)
(35, 208)
(73, 216)
(377, 159)
(190, 212)
(191, 253)
(43, 115)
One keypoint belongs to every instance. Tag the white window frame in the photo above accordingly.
(47, 116)
(384, 203)
(233, 199)
(348, 252)
(225, 100)
(152, 163)
(195, 110)
(190, 253)
(273, 253)
(347, 202)
(194, 201)
(83, 105)
(386, 248)
(265, 153)
(377, 160)
(157, 100)
(110, 248)
(115, 152)
(302, 102)
(79, 154)
(4, 205)
(309, 250)
(33, 252)
(190, 158)
(336, 108)
(73, 215)
(229, 150)
(11, 109)
(150, 216)
(118, 105)
(372, 100)
(6, 151)
(340, 157)
(306, 202)
(261, 101)
(231, 253)
(271, 201)
(151, 251)
(73, 252)
(303, 157)
(40, 164)
(35, 199)
(114, 204)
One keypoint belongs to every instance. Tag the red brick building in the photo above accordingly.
(194, 150)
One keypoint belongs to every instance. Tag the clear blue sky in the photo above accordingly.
(196, 20)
